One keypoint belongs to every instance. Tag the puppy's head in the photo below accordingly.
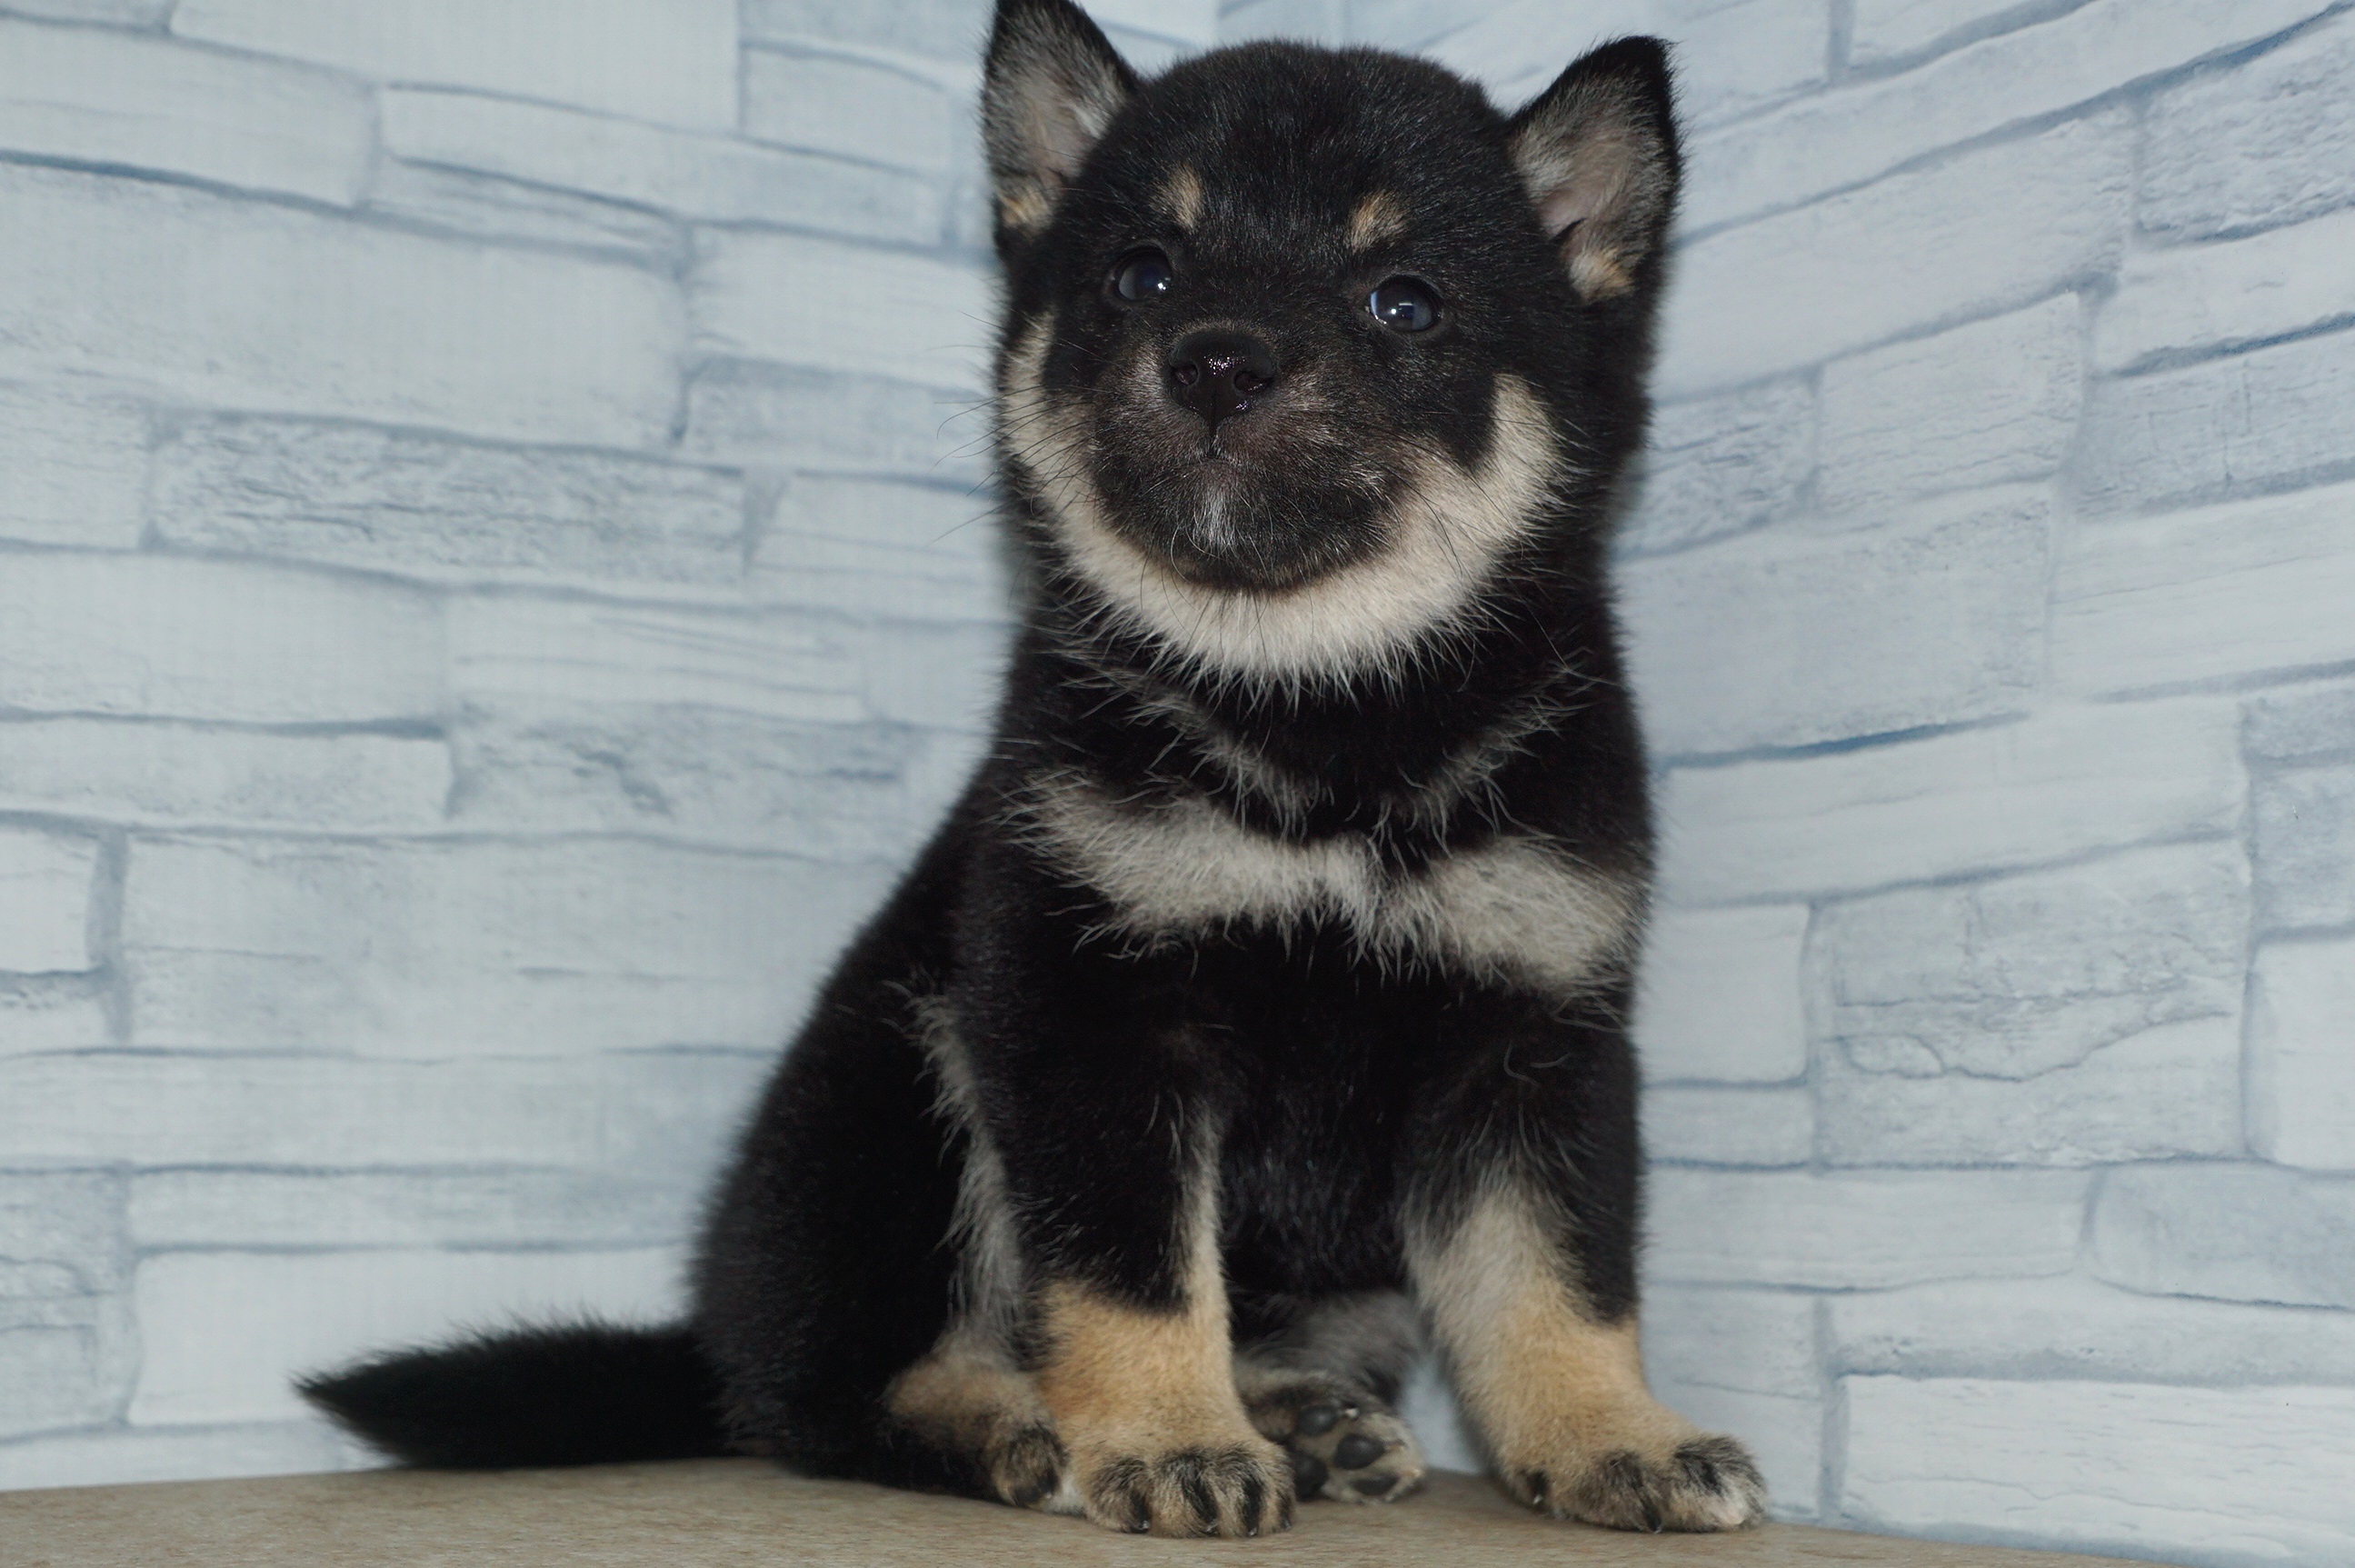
(1304, 347)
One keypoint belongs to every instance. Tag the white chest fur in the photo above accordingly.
(1515, 907)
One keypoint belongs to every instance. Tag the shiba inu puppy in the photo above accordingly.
(1259, 1011)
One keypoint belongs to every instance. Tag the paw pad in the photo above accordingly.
(1347, 1447)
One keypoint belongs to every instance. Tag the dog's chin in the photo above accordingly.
(1228, 523)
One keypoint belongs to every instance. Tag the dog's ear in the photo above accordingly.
(1053, 83)
(1598, 153)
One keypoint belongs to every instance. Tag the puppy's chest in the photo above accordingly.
(1511, 906)
(1323, 1076)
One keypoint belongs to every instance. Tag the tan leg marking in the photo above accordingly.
(965, 1398)
(1146, 1401)
(1559, 1397)
(1165, 1377)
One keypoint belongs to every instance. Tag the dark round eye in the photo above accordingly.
(1404, 304)
(1143, 276)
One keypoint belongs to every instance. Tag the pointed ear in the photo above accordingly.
(1052, 84)
(1598, 153)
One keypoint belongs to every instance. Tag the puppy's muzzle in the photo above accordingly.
(1219, 374)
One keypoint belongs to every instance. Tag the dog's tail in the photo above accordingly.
(581, 1393)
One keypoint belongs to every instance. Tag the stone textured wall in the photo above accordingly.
(490, 589)
(1993, 590)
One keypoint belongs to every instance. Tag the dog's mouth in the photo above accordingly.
(1223, 520)
(1267, 502)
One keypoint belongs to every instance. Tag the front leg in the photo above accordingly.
(1521, 1235)
(1145, 1398)
(1106, 1129)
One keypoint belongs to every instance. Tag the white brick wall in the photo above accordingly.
(473, 640)
(93, 97)
(241, 303)
(1989, 403)
(45, 882)
(2302, 1054)
(2247, 1474)
(672, 61)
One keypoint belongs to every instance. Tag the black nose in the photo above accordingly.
(1217, 374)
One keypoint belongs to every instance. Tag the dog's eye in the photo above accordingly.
(1404, 304)
(1143, 276)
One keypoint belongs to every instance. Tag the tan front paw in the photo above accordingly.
(1696, 1482)
(1241, 1487)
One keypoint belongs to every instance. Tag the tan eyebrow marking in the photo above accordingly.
(1181, 198)
(1378, 218)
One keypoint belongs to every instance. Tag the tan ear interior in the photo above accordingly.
(1600, 182)
(1054, 86)
(1056, 129)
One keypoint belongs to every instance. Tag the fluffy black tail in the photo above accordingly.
(582, 1394)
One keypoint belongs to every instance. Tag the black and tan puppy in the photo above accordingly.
(1261, 1005)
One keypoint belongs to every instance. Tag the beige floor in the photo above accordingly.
(733, 1512)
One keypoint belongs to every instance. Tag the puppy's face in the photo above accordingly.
(1272, 308)
(1294, 344)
